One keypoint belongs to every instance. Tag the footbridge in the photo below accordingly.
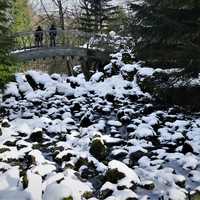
(67, 43)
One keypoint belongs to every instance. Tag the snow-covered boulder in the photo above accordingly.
(121, 174)
(98, 148)
(128, 71)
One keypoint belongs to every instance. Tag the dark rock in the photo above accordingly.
(32, 82)
(132, 198)
(27, 161)
(74, 84)
(24, 179)
(130, 128)
(128, 74)
(80, 162)
(10, 143)
(127, 58)
(187, 148)
(87, 173)
(98, 149)
(1, 133)
(120, 114)
(148, 185)
(67, 157)
(37, 136)
(86, 120)
(105, 193)
(76, 107)
(114, 132)
(113, 176)
(111, 69)
(128, 87)
(180, 183)
(148, 109)
(2, 150)
(119, 156)
(125, 120)
(110, 97)
(132, 97)
(5, 124)
(121, 187)
(135, 156)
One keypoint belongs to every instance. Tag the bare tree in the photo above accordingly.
(60, 5)
(60, 10)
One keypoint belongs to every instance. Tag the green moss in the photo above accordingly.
(196, 197)
(87, 195)
(68, 198)
(6, 74)
(98, 149)
(113, 175)
(80, 162)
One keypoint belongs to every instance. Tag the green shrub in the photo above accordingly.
(6, 74)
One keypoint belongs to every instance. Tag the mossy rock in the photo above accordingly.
(98, 149)
(68, 198)
(80, 162)
(105, 193)
(88, 195)
(196, 196)
(113, 175)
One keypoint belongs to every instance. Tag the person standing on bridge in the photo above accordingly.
(52, 35)
(39, 37)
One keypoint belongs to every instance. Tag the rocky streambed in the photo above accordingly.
(62, 138)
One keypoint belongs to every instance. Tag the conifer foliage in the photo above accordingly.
(167, 32)
(96, 15)
(5, 41)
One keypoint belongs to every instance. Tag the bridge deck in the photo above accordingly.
(46, 52)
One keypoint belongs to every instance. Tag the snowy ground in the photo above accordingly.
(65, 138)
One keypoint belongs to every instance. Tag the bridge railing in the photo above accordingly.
(64, 38)
(25, 41)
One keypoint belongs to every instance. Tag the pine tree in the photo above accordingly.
(5, 41)
(96, 15)
(167, 32)
(119, 22)
(5, 34)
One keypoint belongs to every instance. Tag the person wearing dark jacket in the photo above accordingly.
(39, 37)
(52, 35)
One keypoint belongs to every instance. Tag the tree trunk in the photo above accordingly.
(61, 14)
